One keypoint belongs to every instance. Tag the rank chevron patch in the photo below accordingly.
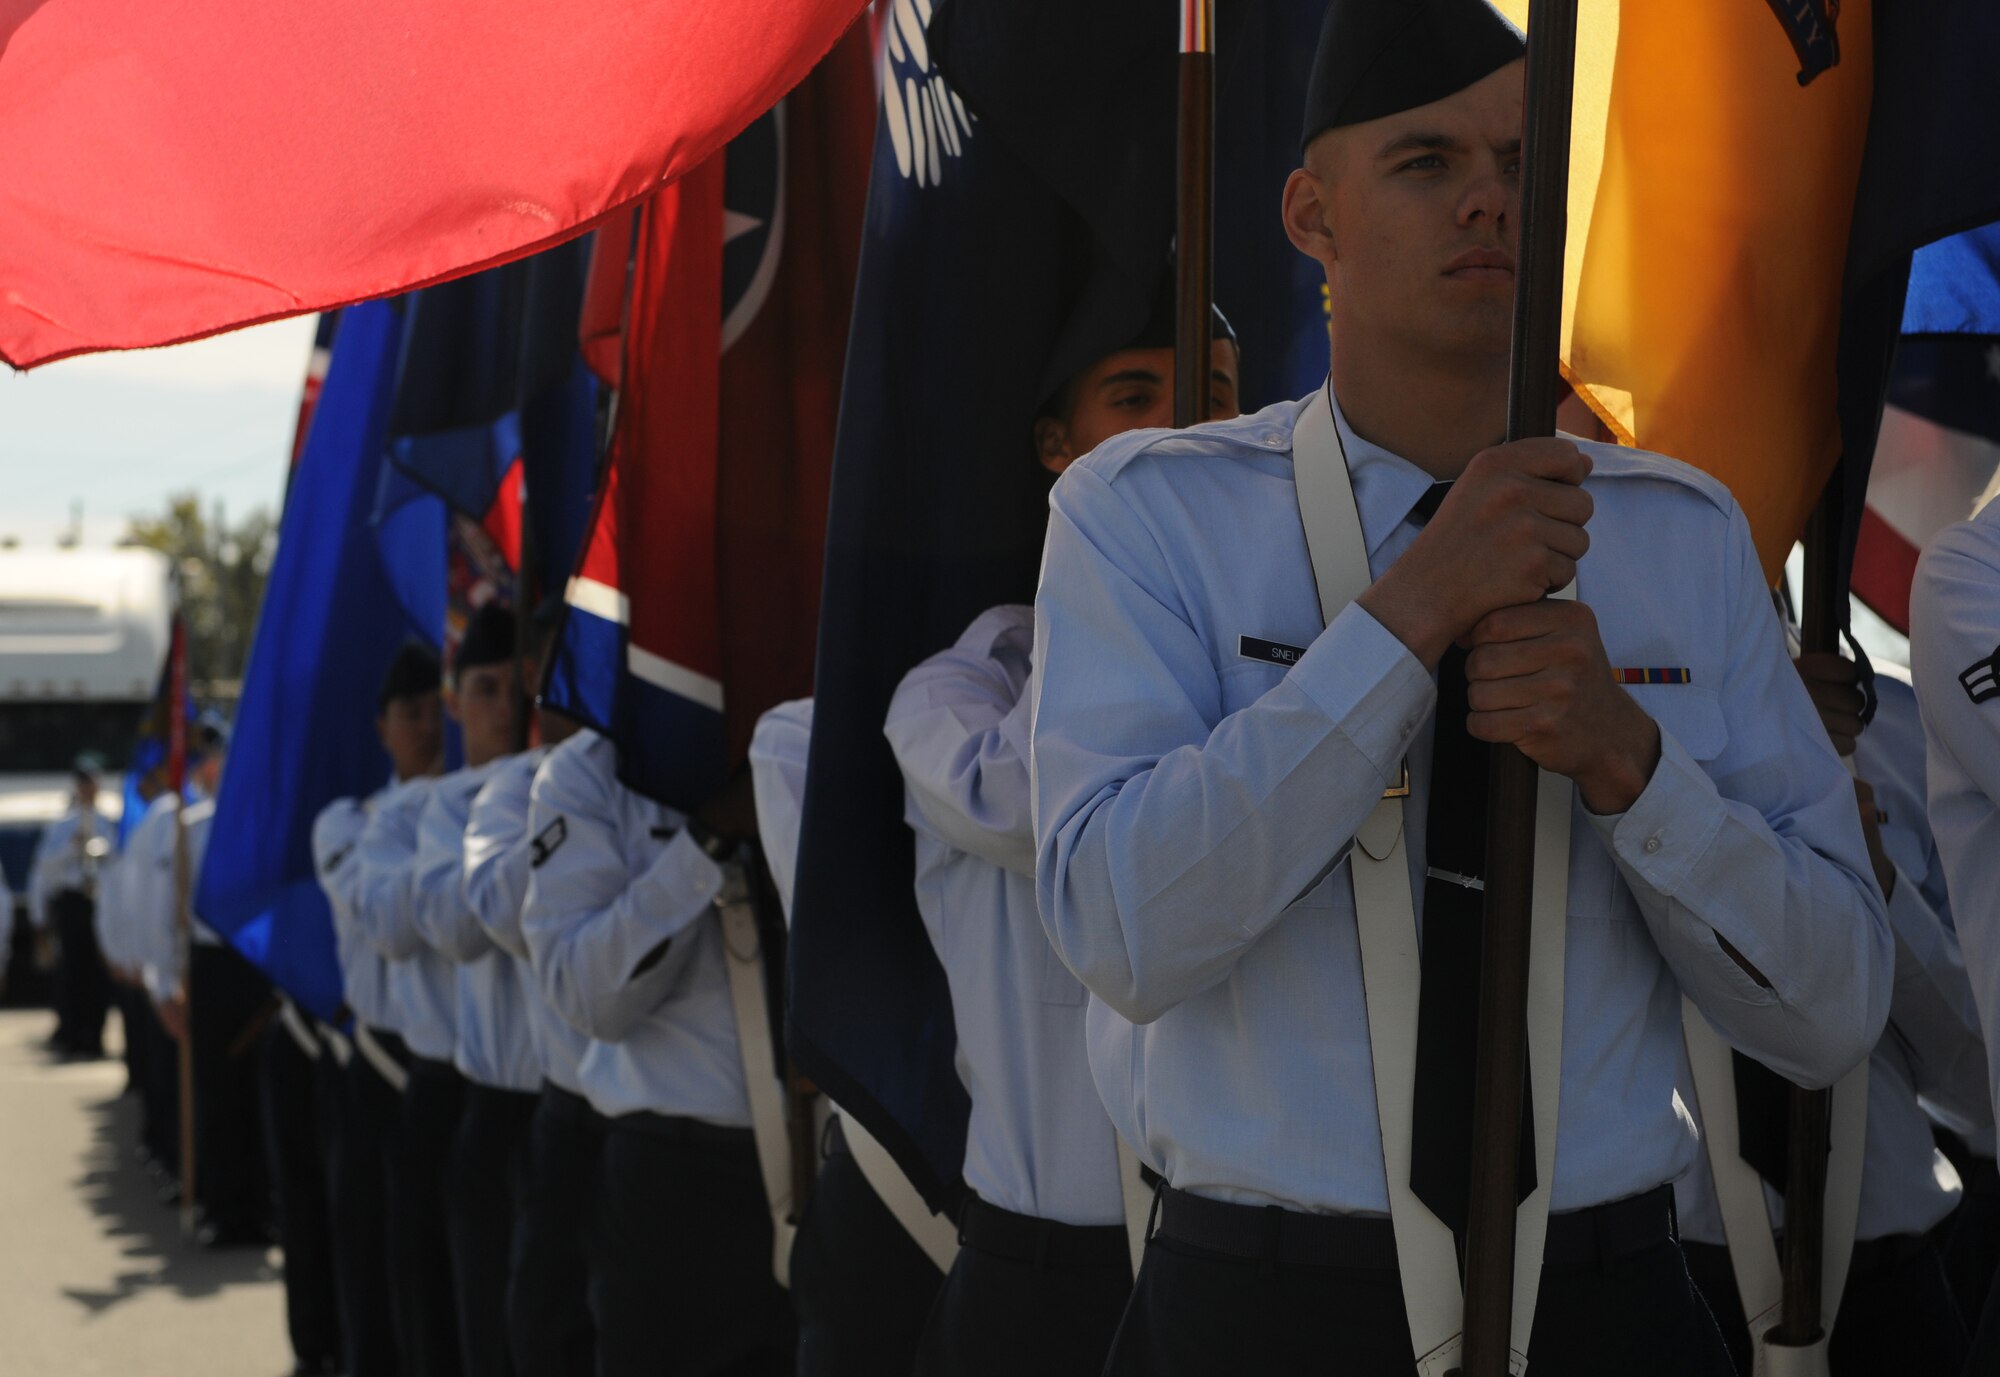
(1982, 678)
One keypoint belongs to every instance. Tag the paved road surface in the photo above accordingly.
(94, 1276)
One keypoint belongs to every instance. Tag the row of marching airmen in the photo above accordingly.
(1201, 847)
(111, 910)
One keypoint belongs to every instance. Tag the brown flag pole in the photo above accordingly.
(1194, 287)
(1500, 1070)
(177, 749)
(1809, 1113)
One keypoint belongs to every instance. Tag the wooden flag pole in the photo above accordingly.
(177, 748)
(1510, 818)
(527, 593)
(1809, 1114)
(1194, 288)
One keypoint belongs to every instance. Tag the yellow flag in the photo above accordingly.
(1716, 149)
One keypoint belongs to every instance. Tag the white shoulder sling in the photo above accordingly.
(1391, 974)
(1739, 1194)
(743, 954)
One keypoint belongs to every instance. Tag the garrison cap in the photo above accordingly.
(491, 638)
(211, 732)
(1382, 57)
(1100, 339)
(1159, 331)
(413, 673)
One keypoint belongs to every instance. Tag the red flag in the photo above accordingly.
(177, 705)
(171, 171)
(695, 604)
(600, 334)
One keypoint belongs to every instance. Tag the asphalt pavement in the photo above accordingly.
(94, 1274)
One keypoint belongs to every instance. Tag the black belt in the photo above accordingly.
(675, 1128)
(1290, 1238)
(1878, 1254)
(392, 1043)
(1982, 1177)
(566, 1103)
(1042, 1242)
(430, 1066)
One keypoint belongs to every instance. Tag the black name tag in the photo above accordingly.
(1271, 652)
(545, 846)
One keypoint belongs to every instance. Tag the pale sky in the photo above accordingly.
(120, 432)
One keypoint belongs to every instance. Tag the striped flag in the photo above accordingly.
(1939, 446)
(694, 603)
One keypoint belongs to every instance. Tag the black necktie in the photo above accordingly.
(1454, 913)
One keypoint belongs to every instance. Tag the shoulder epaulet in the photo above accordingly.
(1622, 461)
(1247, 434)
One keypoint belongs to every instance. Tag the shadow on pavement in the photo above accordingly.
(119, 1191)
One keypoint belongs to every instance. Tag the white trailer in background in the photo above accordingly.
(83, 641)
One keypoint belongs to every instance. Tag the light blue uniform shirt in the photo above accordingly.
(59, 862)
(423, 982)
(364, 975)
(778, 751)
(497, 854)
(617, 877)
(1038, 1142)
(155, 942)
(495, 1046)
(1954, 646)
(1931, 1048)
(1194, 807)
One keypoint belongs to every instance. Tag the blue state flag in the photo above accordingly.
(304, 733)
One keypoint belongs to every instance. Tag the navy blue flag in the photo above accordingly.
(1929, 172)
(304, 733)
(1050, 171)
(489, 375)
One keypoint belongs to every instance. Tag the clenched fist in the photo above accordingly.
(1538, 679)
(1510, 532)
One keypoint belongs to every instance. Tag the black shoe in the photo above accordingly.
(217, 1237)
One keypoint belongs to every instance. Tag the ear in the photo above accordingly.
(1308, 217)
(1052, 444)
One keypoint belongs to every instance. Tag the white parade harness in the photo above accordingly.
(1385, 916)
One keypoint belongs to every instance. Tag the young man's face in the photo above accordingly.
(1416, 219)
(1132, 389)
(208, 774)
(412, 732)
(485, 704)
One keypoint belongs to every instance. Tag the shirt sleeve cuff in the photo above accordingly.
(1668, 828)
(678, 887)
(1916, 928)
(1369, 683)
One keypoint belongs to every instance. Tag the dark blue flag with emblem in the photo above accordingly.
(1020, 221)
(305, 733)
(490, 377)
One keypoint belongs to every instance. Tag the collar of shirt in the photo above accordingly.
(1386, 489)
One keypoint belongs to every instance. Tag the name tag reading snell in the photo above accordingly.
(1271, 652)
